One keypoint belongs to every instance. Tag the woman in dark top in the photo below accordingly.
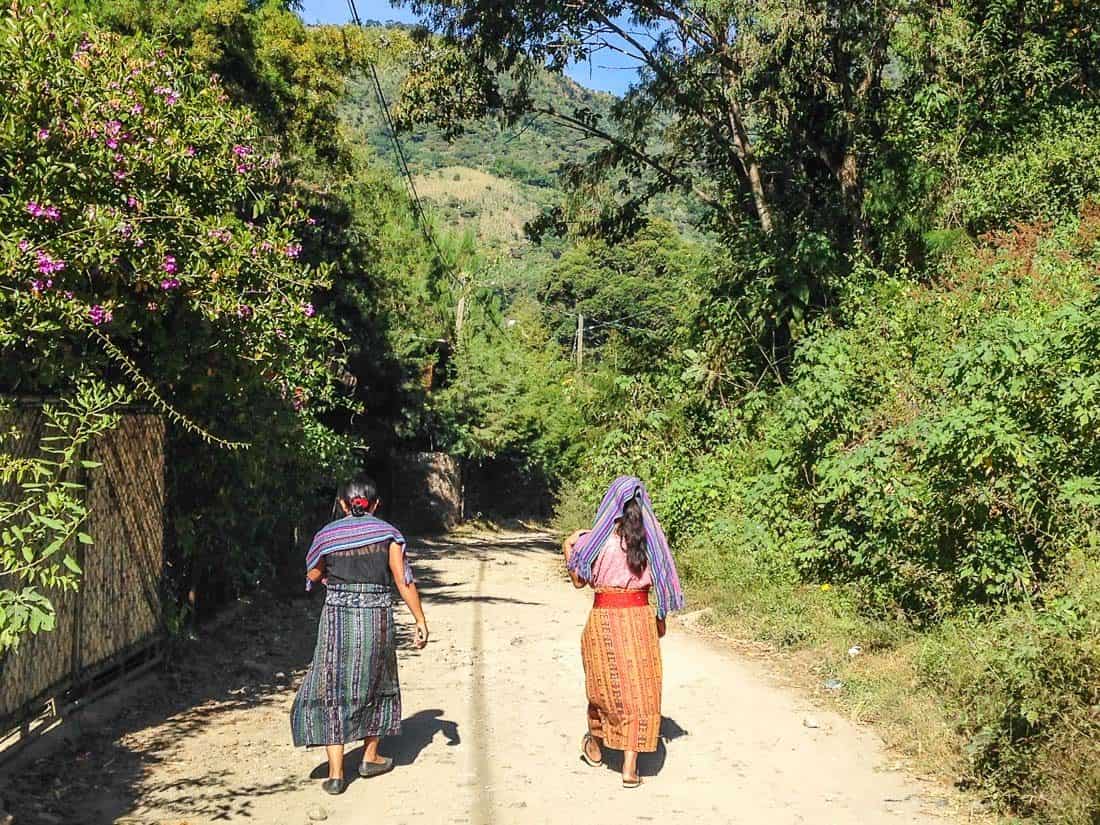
(351, 690)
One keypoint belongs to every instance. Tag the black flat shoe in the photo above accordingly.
(369, 769)
(334, 786)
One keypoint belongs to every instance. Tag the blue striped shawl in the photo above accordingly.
(666, 583)
(350, 532)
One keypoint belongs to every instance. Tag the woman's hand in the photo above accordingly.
(571, 542)
(421, 634)
(662, 628)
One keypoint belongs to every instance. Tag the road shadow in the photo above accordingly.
(649, 764)
(417, 733)
(121, 752)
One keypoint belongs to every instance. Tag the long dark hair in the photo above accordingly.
(353, 493)
(632, 530)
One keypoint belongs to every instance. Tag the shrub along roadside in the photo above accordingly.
(925, 486)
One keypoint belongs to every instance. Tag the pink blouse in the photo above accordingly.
(611, 570)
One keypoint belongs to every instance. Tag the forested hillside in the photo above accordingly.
(827, 278)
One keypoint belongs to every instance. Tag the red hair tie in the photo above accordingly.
(359, 501)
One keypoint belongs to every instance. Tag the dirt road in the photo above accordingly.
(494, 712)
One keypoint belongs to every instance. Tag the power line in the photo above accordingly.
(403, 161)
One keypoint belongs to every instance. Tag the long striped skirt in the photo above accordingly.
(350, 690)
(622, 676)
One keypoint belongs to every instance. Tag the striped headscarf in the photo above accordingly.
(670, 596)
(350, 532)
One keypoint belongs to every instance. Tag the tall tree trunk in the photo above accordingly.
(749, 163)
(851, 190)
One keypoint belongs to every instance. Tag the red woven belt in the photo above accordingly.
(622, 598)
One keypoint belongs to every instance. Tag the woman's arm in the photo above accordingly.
(661, 628)
(409, 593)
(567, 550)
(317, 573)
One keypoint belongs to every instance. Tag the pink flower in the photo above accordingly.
(139, 242)
(42, 134)
(112, 143)
(119, 174)
(48, 265)
(68, 294)
(125, 230)
(242, 168)
(172, 99)
(50, 213)
(168, 284)
(113, 128)
(137, 109)
(267, 246)
(244, 311)
(242, 151)
(169, 264)
(152, 306)
(293, 250)
(99, 315)
(24, 245)
(311, 221)
(308, 310)
(37, 285)
(131, 201)
(189, 151)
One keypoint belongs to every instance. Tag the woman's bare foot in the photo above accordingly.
(630, 769)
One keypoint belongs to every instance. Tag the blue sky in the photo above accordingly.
(608, 72)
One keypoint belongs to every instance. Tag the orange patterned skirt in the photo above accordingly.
(622, 676)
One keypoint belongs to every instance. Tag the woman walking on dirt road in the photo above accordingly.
(623, 557)
(351, 690)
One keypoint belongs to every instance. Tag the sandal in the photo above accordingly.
(632, 783)
(334, 786)
(585, 758)
(369, 769)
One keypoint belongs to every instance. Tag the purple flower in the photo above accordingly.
(311, 221)
(242, 168)
(24, 245)
(308, 310)
(125, 230)
(50, 213)
(137, 109)
(223, 235)
(267, 246)
(119, 174)
(168, 284)
(48, 265)
(139, 242)
(42, 134)
(242, 151)
(244, 311)
(131, 201)
(112, 128)
(68, 294)
(112, 143)
(189, 151)
(99, 315)
(37, 285)
(169, 264)
(293, 250)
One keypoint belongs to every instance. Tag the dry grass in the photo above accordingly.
(495, 208)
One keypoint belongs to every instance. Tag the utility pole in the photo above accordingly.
(580, 342)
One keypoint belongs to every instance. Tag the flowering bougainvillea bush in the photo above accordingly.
(138, 207)
(148, 243)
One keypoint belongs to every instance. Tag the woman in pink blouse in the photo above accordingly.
(623, 557)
